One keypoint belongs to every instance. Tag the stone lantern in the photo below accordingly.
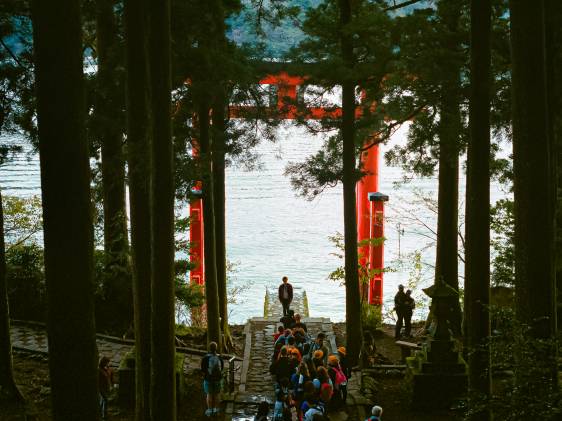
(438, 373)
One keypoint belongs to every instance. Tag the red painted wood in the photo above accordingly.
(370, 215)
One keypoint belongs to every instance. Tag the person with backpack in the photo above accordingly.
(282, 400)
(376, 414)
(212, 366)
(320, 408)
(297, 381)
(339, 380)
(345, 368)
(319, 344)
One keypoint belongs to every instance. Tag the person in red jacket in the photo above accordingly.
(285, 295)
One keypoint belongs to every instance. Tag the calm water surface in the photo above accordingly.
(272, 233)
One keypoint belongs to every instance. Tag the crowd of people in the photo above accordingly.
(309, 381)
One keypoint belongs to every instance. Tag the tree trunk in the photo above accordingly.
(218, 158)
(67, 219)
(352, 292)
(138, 147)
(554, 80)
(8, 388)
(535, 288)
(108, 108)
(477, 246)
(211, 286)
(218, 151)
(446, 263)
(163, 387)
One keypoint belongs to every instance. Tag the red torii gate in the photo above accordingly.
(370, 203)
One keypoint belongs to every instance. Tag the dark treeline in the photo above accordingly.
(117, 94)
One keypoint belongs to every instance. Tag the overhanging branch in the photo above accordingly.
(11, 53)
(401, 5)
(385, 133)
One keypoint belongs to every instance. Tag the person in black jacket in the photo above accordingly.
(285, 295)
(400, 308)
(409, 306)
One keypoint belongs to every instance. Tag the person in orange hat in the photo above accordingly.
(339, 380)
(317, 361)
(319, 344)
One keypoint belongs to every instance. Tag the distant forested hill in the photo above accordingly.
(279, 39)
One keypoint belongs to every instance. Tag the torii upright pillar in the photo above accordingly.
(370, 224)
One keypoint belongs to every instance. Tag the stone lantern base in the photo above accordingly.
(437, 376)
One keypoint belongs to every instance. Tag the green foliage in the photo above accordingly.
(365, 273)
(371, 316)
(23, 219)
(503, 243)
(416, 85)
(276, 22)
(318, 55)
(25, 277)
(188, 294)
(523, 387)
(17, 94)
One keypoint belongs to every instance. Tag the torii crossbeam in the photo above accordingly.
(370, 203)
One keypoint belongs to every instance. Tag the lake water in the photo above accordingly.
(272, 233)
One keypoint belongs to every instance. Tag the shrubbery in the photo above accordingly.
(26, 282)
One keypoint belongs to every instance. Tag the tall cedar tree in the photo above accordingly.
(449, 132)
(163, 386)
(218, 157)
(8, 388)
(219, 190)
(67, 219)
(477, 246)
(535, 289)
(138, 145)
(554, 64)
(352, 292)
(107, 108)
(211, 286)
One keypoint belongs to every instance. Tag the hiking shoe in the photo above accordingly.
(209, 412)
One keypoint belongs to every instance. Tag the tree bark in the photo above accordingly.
(553, 16)
(163, 387)
(535, 288)
(211, 285)
(8, 389)
(218, 152)
(67, 219)
(219, 186)
(477, 245)
(108, 108)
(353, 294)
(446, 261)
(138, 147)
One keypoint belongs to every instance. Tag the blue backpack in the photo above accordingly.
(214, 367)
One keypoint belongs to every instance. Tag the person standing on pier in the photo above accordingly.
(285, 295)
